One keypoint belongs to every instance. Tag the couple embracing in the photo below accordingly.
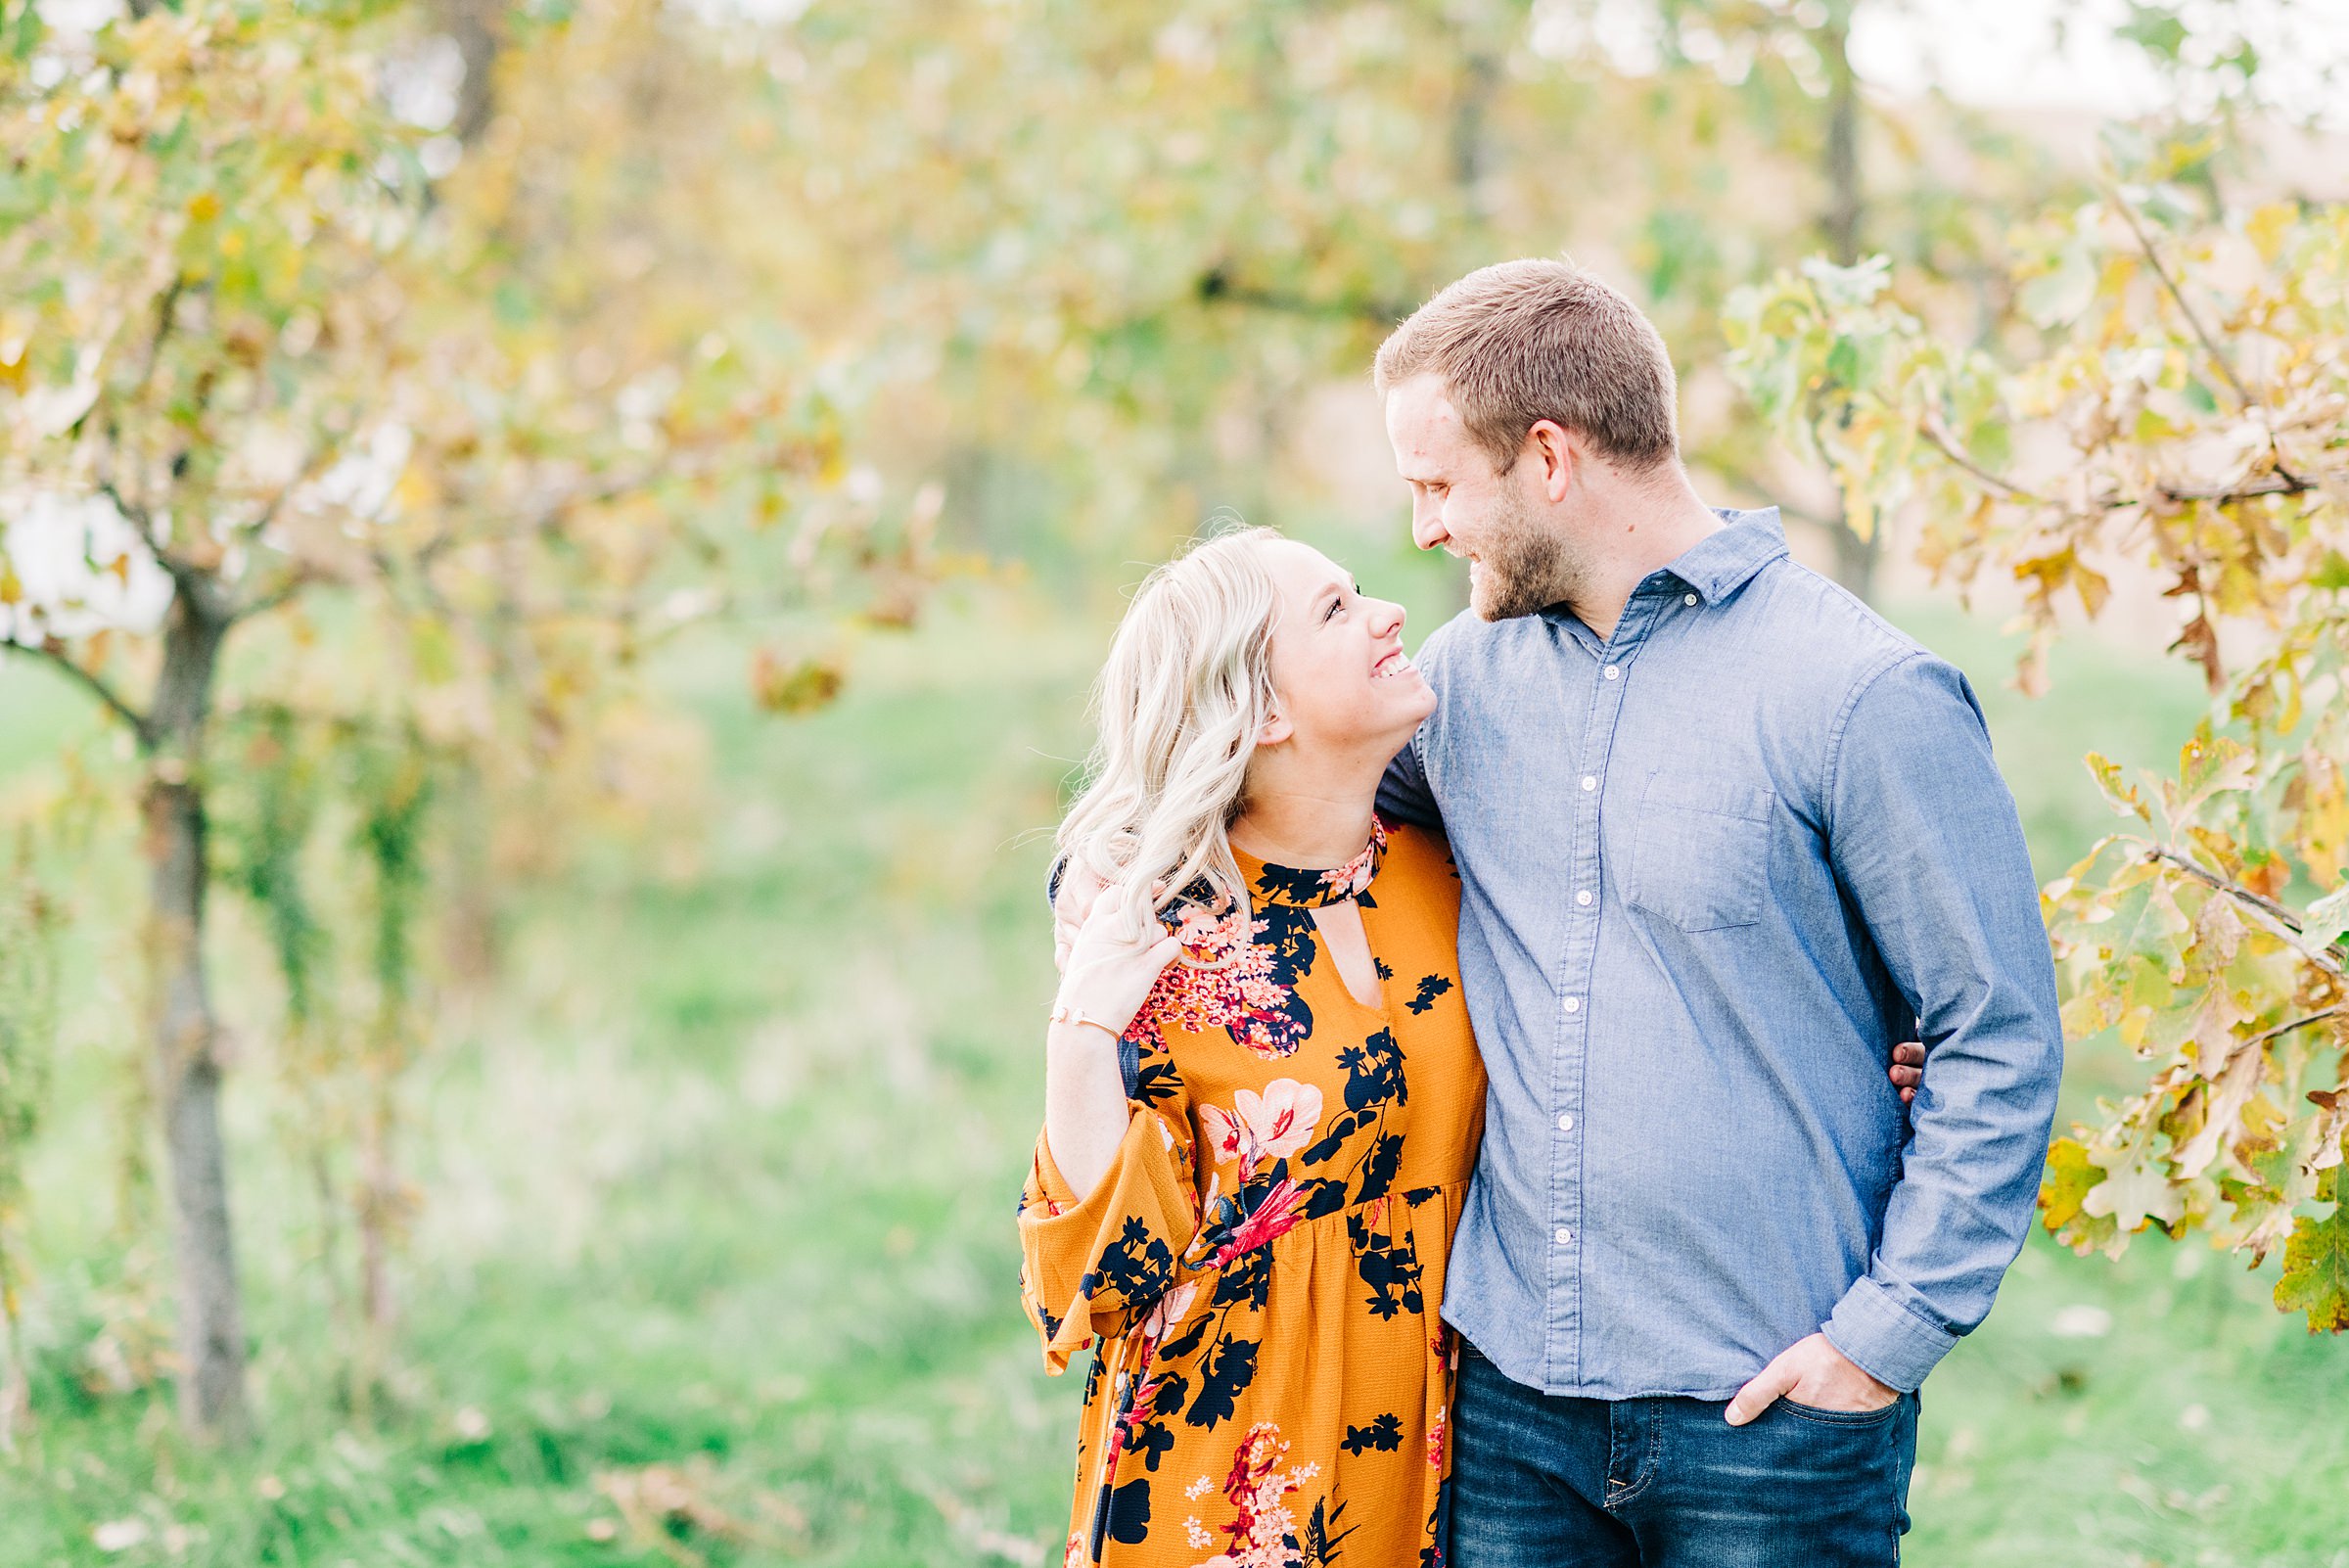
(1478, 1124)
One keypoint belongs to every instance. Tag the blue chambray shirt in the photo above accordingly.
(1714, 867)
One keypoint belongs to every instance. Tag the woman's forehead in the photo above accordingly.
(1299, 570)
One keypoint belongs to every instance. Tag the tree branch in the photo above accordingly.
(2210, 346)
(2285, 483)
(1215, 287)
(299, 579)
(2218, 356)
(2282, 1029)
(53, 654)
(181, 571)
(1945, 443)
(2281, 921)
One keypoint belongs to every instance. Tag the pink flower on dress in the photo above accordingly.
(1259, 1129)
(1435, 1445)
(1264, 1525)
(1168, 1311)
(1274, 1216)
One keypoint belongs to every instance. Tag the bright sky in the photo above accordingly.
(2004, 52)
(1994, 53)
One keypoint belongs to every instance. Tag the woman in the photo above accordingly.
(1249, 1213)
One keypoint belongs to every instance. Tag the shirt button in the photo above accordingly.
(1584, 897)
(1574, 1005)
(1565, 1124)
(1691, 599)
(1588, 782)
(1612, 671)
(1564, 1235)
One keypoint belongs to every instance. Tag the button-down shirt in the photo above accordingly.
(1714, 866)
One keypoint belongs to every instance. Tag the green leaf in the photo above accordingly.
(1843, 362)
(1847, 288)
(2315, 1272)
(2156, 30)
(2328, 919)
(2198, 396)
(2054, 299)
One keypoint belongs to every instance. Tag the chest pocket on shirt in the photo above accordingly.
(1700, 853)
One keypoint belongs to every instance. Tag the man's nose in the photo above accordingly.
(1427, 525)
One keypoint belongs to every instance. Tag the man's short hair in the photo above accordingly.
(1527, 340)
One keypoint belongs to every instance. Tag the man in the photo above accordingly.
(1723, 834)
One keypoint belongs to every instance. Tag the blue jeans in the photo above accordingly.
(1543, 1481)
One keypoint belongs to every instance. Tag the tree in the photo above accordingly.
(2185, 406)
(1084, 249)
(259, 372)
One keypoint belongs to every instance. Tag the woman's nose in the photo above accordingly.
(1386, 618)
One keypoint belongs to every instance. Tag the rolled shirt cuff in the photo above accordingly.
(1885, 1339)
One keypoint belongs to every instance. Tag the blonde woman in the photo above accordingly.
(1262, 1097)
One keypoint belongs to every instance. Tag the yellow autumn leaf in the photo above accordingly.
(415, 491)
(2267, 226)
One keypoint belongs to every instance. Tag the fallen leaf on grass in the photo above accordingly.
(664, 1505)
(964, 1520)
(118, 1535)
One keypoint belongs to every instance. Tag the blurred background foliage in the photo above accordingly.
(549, 557)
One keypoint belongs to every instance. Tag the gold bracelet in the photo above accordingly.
(1066, 1013)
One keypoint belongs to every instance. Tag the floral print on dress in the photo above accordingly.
(1271, 1126)
(1263, 1530)
(1310, 890)
(1260, 1271)
(1245, 986)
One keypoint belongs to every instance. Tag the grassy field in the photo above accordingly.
(715, 1261)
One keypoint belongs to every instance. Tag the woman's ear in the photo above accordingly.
(1274, 730)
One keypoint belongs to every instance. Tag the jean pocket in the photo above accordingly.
(1700, 853)
(1825, 1417)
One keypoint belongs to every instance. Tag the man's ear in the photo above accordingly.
(1553, 451)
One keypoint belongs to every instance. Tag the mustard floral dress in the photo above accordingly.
(1260, 1269)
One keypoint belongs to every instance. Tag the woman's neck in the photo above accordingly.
(1306, 830)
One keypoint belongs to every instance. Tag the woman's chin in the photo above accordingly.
(1410, 697)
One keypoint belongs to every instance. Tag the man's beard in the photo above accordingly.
(1523, 565)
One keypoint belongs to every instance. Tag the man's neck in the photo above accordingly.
(1648, 525)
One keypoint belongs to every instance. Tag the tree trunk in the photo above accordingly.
(1842, 220)
(1856, 558)
(478, 27)
(211, 1327)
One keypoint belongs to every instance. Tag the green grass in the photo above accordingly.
(721, 1181)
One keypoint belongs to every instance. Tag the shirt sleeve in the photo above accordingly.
(1092, 1266)
(1404, 794)
(1925, 841)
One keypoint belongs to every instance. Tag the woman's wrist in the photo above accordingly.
(1072, 1015)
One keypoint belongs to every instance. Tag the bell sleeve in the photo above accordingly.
(1092, 1267)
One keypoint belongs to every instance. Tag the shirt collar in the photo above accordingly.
(1720, 563)
(1310, 888)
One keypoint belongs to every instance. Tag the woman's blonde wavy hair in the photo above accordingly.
(1187, 685)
